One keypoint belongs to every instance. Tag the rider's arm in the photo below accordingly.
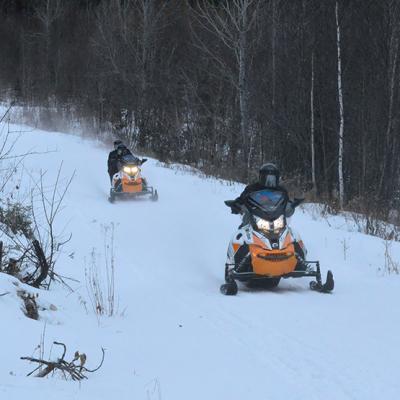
(248, 189)
(239, 201)
(289, 210)
(110, 161)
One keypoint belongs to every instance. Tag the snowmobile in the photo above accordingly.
(265, 249)
(128, 182)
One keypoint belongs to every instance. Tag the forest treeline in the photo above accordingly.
(225, 85)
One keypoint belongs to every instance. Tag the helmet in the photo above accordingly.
(117, 143)
(120, 148)
(269, 175)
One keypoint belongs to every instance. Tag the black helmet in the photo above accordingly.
(269, 175)
(121, 148)
(117, 143)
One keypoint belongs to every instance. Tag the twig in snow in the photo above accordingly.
(75, 369)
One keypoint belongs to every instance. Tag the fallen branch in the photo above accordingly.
(74, 369)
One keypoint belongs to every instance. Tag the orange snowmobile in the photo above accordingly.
(128, 182)
(265, 249)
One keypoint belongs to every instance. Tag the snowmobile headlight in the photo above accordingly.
(131, 170)
(279, 223)
(262, 224)
(274, 226)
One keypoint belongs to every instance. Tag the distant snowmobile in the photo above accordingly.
(265, 249)
(128, 182)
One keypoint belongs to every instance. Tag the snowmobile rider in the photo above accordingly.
(113, 159)
(268, 178)
(116, 156)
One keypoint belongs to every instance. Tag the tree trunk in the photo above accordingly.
(273, 55)
(341, 110)
(392, 72)
(243, 90)
(314, 184)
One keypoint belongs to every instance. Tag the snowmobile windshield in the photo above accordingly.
(267, 204)
(130, 159)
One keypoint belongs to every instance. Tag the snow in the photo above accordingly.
(175, 336)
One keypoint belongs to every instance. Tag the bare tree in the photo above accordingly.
(312, 127)
(273, 49)
(388, 161)
(48, 12)
(341, 110)
(47, 243)
(127, 34)
(31, 233)
(231, 23)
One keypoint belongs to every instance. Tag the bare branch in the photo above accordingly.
(75, 371)
(100, 365)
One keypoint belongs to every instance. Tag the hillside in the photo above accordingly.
(174, 336)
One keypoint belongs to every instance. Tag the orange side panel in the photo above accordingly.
(236, 247)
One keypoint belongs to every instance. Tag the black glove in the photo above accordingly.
(296, 202)
(289, 210)
(235, 208)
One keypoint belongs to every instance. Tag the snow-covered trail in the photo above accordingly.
(179, 337)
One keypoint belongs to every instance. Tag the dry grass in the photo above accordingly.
(100, 277)
(391, 265)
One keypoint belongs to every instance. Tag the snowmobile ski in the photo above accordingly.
(326, 287)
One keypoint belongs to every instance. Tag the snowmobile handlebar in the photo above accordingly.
(229, 203)
(296, 202)
(235, 207)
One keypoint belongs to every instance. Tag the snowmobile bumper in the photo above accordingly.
(307, 272)
(245, 276)
(148, 191)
